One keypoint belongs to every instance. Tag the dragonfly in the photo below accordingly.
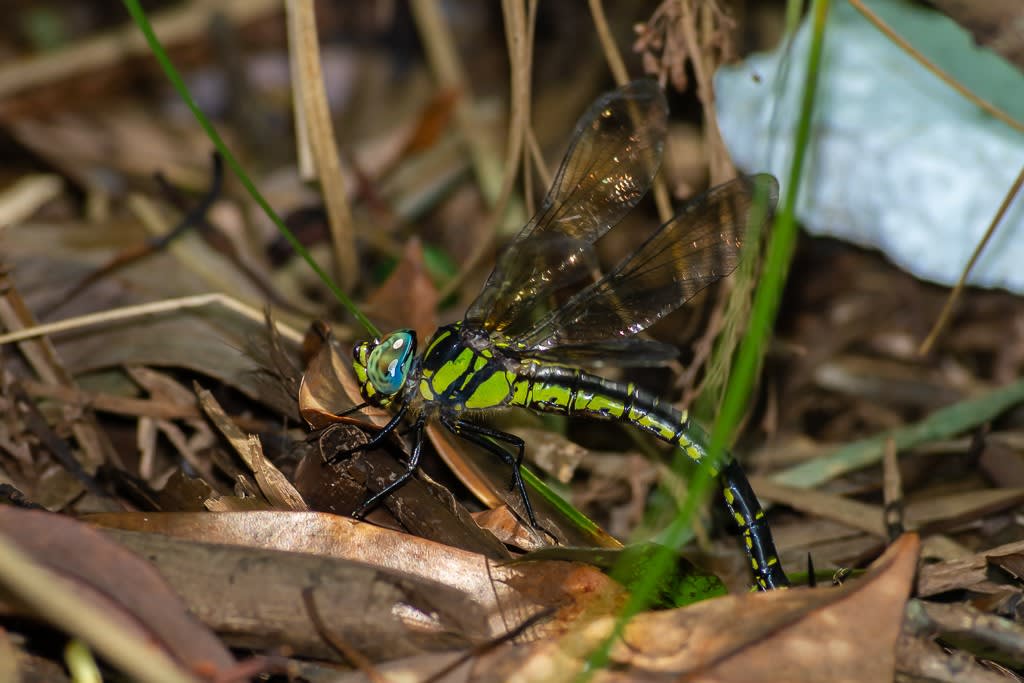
(547, 316)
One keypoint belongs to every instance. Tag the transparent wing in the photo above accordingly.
(699, 246)
(619, 353)
(612, 159)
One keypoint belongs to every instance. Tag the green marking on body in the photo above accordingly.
(451, 371)
(492, 392)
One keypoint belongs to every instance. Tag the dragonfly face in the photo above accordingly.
(382, 366)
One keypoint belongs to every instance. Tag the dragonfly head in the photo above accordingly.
(382, 366)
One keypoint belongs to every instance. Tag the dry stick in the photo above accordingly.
(926, 63)
(346, 650)
(305, 51)
(619, 73)
(721, 165)
(44, 360)
(152, 308)
(539, 165)
(190, 21)
(303, 147)
(520, 49)
(531, 25)
(439, 44)
(892, 492)
(947, 309)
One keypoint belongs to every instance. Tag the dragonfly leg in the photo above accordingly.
(410, 469)
(374, 440)
(485, 437)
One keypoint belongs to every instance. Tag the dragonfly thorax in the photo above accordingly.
(382, 366)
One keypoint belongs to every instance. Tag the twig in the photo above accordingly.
(22, 199)
(892, 492)
(343, 648)
(520, 56)
(703, 68)
(621, 76)
(42, 357)
(312, 109)
(152, 308)
(931, 66)
(187, 22)
(954, 296)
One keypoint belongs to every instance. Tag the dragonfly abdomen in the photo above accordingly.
(571, 391)
(575, 392)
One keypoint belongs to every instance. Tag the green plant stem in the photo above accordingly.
(942, 424)
(766, 303)
(140, 19)
(781, 244)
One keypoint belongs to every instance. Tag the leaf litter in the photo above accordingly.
(429, 571)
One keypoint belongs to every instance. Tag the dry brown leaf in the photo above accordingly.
(118, 580)
(408, 298)
(958, 508)
(433, 121)
(967, 573)
(487, 477)
(421, 506)
(124, 140)
(273, 484)
(507, 594)
(254, 597)
(792, 636)
(800, 635)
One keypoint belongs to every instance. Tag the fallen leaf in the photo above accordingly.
(273, 484)
(117, 579)
(796, 635)
(507, 594)
(965, 573)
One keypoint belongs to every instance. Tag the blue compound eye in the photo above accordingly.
(390, 361)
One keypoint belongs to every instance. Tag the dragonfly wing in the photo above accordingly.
(613, 156)
(699, 246)
(630, 352)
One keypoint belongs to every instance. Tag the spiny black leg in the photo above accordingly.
(374, 440)
(480, 435)
(757, 537)
(410, 469)
(504, 437)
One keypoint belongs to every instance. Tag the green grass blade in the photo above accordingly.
(942, 424)
(781, 244)
(766, 302)
(140, 19)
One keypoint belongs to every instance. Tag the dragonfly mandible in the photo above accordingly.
(514, 349)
